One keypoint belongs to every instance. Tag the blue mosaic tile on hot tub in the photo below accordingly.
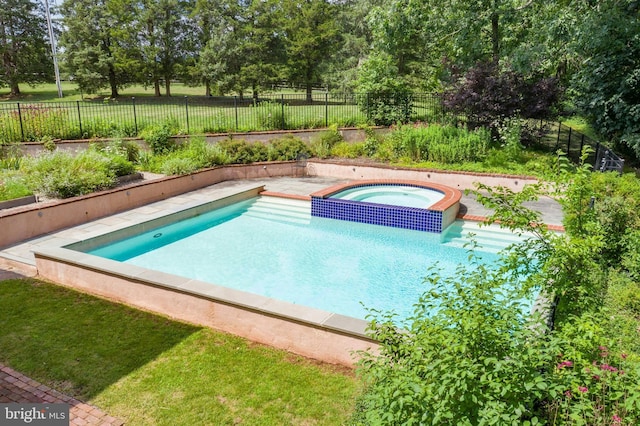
(377, 214)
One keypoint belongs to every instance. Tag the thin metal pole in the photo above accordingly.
(54, 53)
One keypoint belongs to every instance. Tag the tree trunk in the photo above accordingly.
(156, 87)
(255, 93)
(207, 88)
(15, 89)
(309, 92)
(113, 83)
(167, 86)
(495, 37)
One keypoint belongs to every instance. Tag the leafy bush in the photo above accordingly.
(242, 152)
(179, 166)
(12, 185)
(62, 175)
(322, 144)
(10, 156)
(488, 95)
(204, 154)
(348, 150)
(469, 356)
(443, 144)
(286, 148)
(158, 137)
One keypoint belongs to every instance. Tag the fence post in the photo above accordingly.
(186, 111)
(79, 118)
(597, 159)
(135, 117)
(235, 107)
(558, 138)
(21, 125)
(569, 141)
(282, 108)
(581, 143)
(326, 109)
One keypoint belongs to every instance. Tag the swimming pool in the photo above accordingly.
(275, 248)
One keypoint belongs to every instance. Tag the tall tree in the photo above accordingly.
(310, 36)
(608, 83)
(260, 44)
(24, 54)
(96, 50)
(167, 36)
(215, 59)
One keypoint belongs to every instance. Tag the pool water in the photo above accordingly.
(333, 265)
(395, 195)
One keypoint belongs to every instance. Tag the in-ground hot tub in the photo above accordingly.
(399, 203)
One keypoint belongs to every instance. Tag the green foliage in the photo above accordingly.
(348, 150)
(10, 156)
(178, 166)
(158, 137)
(469, 355)
(384, 98)
(62, 175)
(12, 185)
(443, 144)
(323, 143)
(272, 116)
(243, 152)
(286, 148)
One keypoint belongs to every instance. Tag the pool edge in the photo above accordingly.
(309, 332)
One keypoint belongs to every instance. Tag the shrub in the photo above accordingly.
(204, 154)
(444, 144)
(348, 150)
(242, 152)
(158, 137)
(61, 175)
(488, 95)
(286, 148)
(322, 144)
(179, 166)
(12, 185)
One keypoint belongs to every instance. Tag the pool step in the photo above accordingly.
(279, 209)
(488, 238)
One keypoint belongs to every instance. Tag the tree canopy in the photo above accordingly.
(238, 46)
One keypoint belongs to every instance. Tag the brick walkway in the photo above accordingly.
(16, 387)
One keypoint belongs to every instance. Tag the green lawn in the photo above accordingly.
(148, 369)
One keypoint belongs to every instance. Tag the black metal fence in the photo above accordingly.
(572, 142)
(35, 121)
(194, 115)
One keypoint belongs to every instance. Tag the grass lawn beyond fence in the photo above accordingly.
(149, 370)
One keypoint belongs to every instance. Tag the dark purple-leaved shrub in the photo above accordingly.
(488, 95)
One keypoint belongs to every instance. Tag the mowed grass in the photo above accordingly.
(149, 370)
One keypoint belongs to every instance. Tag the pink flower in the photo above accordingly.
(583, 389)
(567, 394)
(595, 377)
(607, 367)
(616, 419)
(564, 364)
